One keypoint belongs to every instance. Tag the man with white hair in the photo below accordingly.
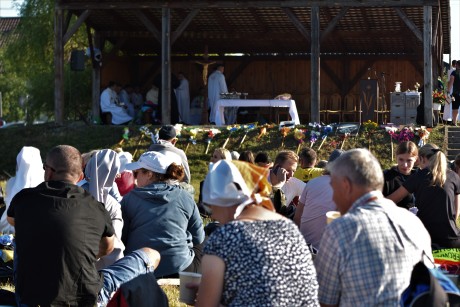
(367, 255)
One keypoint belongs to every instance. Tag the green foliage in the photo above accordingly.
(29, 67)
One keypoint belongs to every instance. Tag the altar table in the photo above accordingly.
(274, 103)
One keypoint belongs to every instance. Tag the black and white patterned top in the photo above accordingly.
(267, 263)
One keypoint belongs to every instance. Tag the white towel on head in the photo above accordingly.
(29, 174)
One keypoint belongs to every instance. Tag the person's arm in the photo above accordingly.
(195, 224)
(298, 213)
(223, 84)
(456, 203)
(11, 220)
(105, 246)
(398, 195)
(212, 281)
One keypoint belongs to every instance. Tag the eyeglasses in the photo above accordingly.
(45, 166)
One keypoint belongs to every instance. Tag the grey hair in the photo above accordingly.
(360, 167)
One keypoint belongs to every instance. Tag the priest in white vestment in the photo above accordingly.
(110, 103)
(216, 85)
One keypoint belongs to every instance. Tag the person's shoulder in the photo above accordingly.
(28, 192)
(155, 146)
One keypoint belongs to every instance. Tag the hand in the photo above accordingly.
(278, 176)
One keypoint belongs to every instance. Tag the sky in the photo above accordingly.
(8, 9)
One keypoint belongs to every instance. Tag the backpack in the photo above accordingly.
(429, 287)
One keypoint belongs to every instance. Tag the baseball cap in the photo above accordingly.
(152, 161)
(167, 132)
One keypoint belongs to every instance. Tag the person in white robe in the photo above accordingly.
(183, 99)
(216, 85)
(29, 174)
(125, 98)
(110, 103)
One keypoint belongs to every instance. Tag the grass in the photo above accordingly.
(172, 292)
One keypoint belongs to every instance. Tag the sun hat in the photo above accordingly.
(224, 185)
(153, 161)
(167, 132)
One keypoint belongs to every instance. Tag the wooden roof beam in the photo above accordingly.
(409, 23)
(78, 5)
(297, 23)
(184, 24)
(148, 24)
(81, 19)
(331, 26)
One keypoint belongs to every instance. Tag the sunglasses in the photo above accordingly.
(143, 170)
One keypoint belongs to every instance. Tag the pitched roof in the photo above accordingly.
(7, 27)
(256, 27)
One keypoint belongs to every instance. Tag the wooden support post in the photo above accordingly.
(96, 90)
(166, 66)
(315, 65)
(58, 66)
(428, 65)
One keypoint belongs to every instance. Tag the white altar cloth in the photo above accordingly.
(276, 103)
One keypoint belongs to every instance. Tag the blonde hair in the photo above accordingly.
(223, 153)
(285, 155)
(437, 163)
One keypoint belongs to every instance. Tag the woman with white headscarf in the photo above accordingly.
(29, 174)
(100, 173)
(258, 257)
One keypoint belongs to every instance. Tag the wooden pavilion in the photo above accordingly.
(311, 49)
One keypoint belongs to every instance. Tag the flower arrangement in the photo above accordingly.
(211, 133)
(325, 131)
(230, 130)
(404, 135)
(284, 132)
(439, 97)
(246, 129)
(370, 127)
(192, 138)
(299, 135)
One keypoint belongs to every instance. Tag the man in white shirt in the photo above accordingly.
(281, 177)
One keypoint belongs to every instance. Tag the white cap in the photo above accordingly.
(152, 161)
(224, 186)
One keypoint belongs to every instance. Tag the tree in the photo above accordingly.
(30, 60)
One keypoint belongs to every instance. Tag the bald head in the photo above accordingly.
(64, 163)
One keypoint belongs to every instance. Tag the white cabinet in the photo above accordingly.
(403, 109)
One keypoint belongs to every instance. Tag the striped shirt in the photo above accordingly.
(366, 257)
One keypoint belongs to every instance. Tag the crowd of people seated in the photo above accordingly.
(112, 223)
(124, 104)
